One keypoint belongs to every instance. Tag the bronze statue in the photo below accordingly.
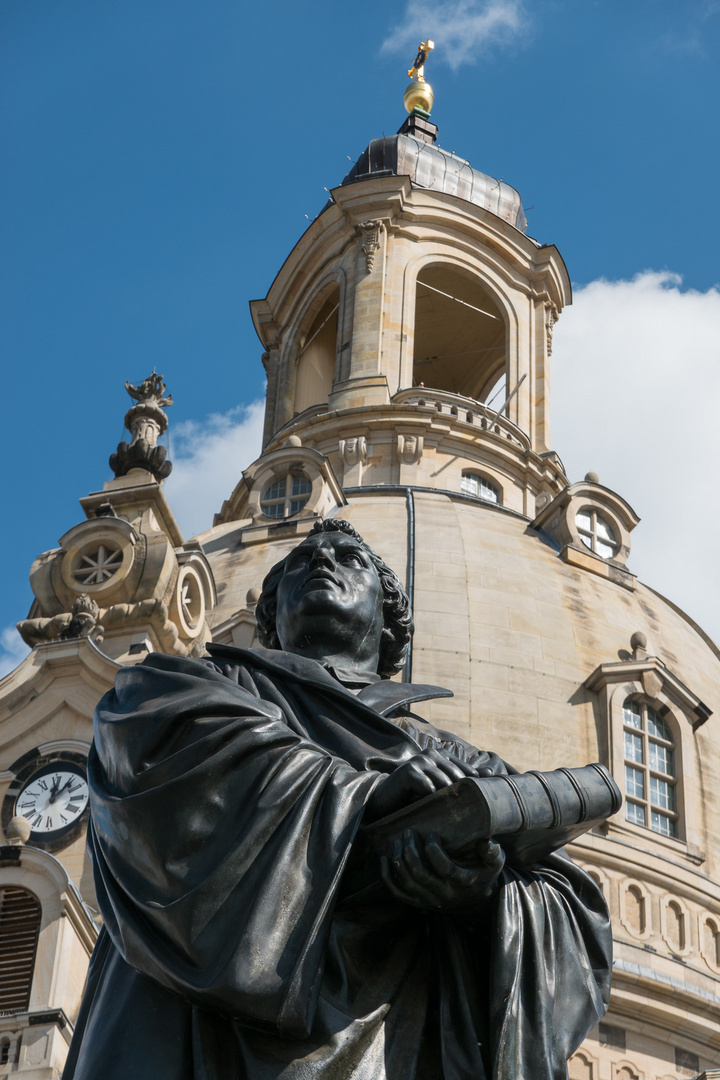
(228, 794)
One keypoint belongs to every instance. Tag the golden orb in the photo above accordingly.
(419, 95)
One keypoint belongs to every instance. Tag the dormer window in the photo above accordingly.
(474, 484)
(596, 533)
(286, 496)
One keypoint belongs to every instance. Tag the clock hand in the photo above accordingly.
(67, 784)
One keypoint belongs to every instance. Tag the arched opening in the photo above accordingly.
(20, 916)
(459, 333)
(316, 360)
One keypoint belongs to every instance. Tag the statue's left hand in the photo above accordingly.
(424, 876)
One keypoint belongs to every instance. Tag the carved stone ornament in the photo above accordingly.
(82, 622)
(551, 317)
(409, 449)
(370, 240)
(353, 451)
(145, 421)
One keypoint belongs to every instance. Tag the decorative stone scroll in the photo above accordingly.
(370, 241)
(353, 451)
(551, 317)
(409, 449)
(83, 621)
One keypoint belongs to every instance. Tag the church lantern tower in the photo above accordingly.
(417, 296)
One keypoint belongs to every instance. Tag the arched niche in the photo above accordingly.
(315, 370)
(460, 339)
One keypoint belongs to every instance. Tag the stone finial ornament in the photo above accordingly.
(639, 645)
(145, 421)
(18, 831)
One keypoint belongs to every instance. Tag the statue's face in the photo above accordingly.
(329, 585)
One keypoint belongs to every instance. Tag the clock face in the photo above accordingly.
(53, 799)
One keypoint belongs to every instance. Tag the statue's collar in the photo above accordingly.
(384, 697)
(388, 697)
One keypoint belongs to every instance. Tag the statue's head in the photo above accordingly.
(334, 594)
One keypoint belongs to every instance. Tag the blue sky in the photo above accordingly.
(159, 161)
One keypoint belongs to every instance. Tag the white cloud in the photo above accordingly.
(12, 650)
(636, 399)
(208, 459)
(461, 29)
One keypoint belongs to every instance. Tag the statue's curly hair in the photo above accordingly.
(397, 618)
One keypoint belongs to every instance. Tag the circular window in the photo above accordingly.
(596, 533)
(286, 496)
(191, 600)
(474, 484)
(97, 564)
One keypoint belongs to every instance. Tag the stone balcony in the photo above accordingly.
(34, 1044)
(464, 409)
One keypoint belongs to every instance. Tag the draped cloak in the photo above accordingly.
(225, 797)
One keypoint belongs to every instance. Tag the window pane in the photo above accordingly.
(661, 823)
(662, 794)
(606, 551)
(472, 484)
(661, 758)
(275, 491)
(635, 813)
(275, 510)
(633, 747)
(300, 486)
(296, 505)
(583, 521)
(658, 727)
(634, 782)
(604, 531)
(488, 492)
(631, 714)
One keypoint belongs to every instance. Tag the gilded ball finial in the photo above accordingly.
(419, 93)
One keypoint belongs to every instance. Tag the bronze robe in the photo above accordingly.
(225, 798)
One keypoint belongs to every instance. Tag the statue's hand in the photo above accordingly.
(424, 876)
(420, 776)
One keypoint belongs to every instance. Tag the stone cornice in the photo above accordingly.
(638, 671)
(55, 660)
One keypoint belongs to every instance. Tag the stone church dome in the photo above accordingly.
(407, 342)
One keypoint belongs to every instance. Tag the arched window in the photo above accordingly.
(286, 496)
(19, 928)
(650, 774)
(474, 484)
(316, 360)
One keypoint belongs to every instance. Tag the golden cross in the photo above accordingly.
(417, 71)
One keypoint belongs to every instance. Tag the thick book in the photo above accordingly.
(529, 814)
